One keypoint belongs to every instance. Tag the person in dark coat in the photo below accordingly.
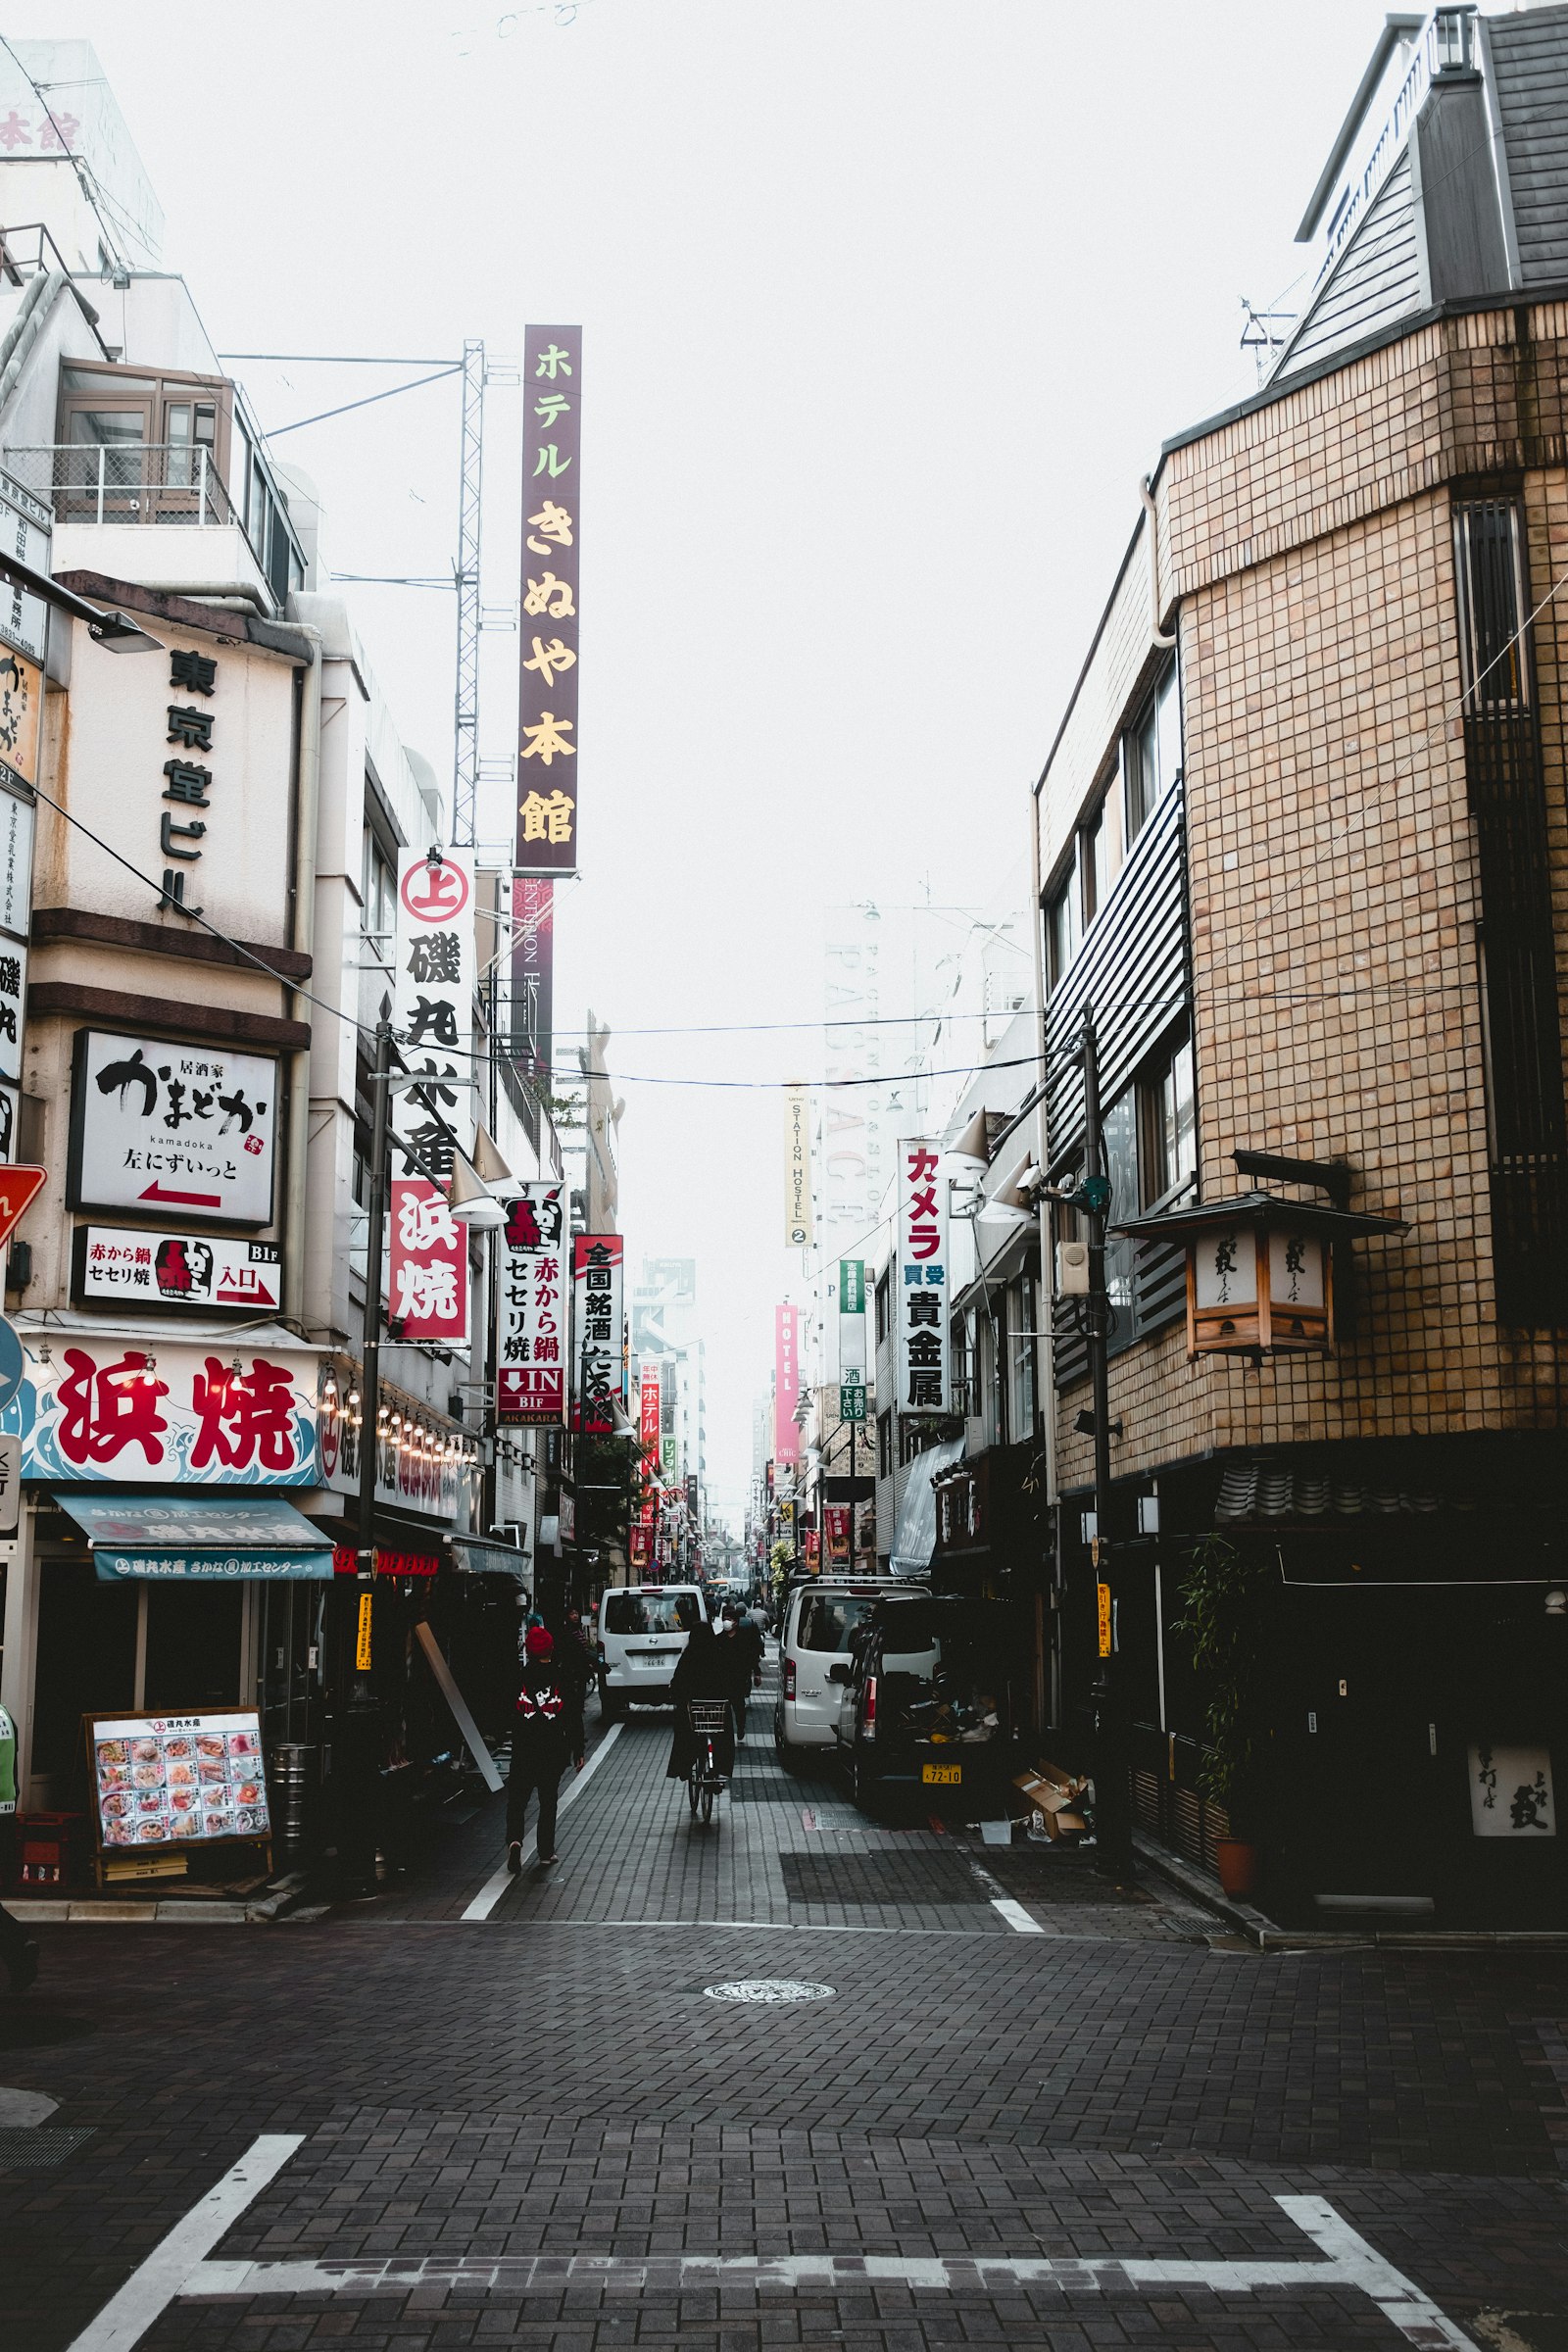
(748, 1666)
(575, 1657)
(546, 1729)
(705, 1669)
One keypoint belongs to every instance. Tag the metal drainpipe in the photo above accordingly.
(302, 940)
(1048, 1694)
(1156, 633)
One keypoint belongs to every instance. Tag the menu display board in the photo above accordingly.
(178, 1780)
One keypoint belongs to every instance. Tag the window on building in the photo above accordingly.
(1063, 928)
(1168, 1146)
(1152, 753)
(884, 1444)
(1093, 863)
(883, 1303)
(962, 1365)
(1120, 1124)
(378, 890)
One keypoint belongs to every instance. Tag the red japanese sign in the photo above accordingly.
(531, 1340)
(650, 1415)
(598, 1371)
(346, 1562)
(786, 1384)
(103, 1410)
(429, 1265)
(836, 1528)
(434, 1018)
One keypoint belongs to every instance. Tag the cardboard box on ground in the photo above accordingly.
(1061, 1800)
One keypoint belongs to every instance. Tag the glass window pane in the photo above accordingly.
(1121, 1166)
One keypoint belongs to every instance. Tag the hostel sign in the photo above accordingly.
(547, 715)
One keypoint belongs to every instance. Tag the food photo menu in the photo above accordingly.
(170, 1780)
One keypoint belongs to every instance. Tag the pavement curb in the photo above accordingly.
(87, 1910)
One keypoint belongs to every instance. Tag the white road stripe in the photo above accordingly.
(165, 2275)
(1016, 1917)
(495, 1887)
(1351, 2263)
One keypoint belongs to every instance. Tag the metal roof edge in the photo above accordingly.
(1094, 642)
(1387, 39)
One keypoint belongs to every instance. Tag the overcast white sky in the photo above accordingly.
(887, 305)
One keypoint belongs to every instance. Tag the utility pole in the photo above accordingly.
(1112, 1795)
(356, 1810)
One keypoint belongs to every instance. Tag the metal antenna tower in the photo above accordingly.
(465, 706)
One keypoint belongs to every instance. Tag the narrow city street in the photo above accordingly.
(994, 2099)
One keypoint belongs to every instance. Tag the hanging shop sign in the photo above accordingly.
(599, 1367)
(786, 1384)
(531, 1335)
(533, 964)
(433, 1017)
(1259, 1269)
(118, 1411)
(13, 999)
(799, 1230)
(21, 718)
(1512, 1792)
(648, 1408)
(175, 1779)
(921, 1274)
(424, 1463)
(25, 530)
(852, 1338)
(119, 1264)
(836, 1529)
(346, 1562)
(156, 1126)
(16, 865)
(546, 720)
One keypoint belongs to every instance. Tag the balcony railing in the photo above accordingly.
(124, 481)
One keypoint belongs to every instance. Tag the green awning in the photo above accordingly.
(197, 1537)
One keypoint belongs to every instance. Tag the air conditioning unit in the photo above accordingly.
(1072, 1269)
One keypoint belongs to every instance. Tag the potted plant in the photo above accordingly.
(1225, 1594)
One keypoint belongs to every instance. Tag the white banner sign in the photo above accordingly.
(922, 1277)
(532, 1340)
(135, 1412)
(25, 529)
(179, 1269)
(433, 1017)
(598, 1370)
(16, 865)
(799, 1230)
(156, 1126)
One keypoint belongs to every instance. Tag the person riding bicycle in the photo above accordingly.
(702, 1671)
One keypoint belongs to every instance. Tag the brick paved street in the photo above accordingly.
(549, 2131)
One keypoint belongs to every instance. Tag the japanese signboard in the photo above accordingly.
(434, 1015)
(1511, 1791)
(13, 996)
(16, 865)
(25, 532)
(598, 1373)
(175, 1779)
(546, 720)
(921, 1277)
(189, 728)
(648, 1408)
(20, 715)
(786, 1384)
(424, 1463)
(532, 1341)
(799, 1231)
(852, 1338)
(156, 1126)
(115, 1411)
(118, 1262)
(836, 1528)
(533, 952)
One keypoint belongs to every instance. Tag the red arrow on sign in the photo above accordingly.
(18, 1187)
(156, 1192)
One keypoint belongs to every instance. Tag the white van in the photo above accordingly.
(819, 1617)
(642, 1631)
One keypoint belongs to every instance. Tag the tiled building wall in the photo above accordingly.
(1332, 873)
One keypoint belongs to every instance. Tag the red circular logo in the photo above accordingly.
(435, 894)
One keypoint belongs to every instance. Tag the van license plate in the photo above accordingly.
(949, 1775)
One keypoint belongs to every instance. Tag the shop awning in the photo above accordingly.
(476, 1556)
(914, 1539)
(197, 1537)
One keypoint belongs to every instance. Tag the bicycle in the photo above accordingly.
(710, 1720)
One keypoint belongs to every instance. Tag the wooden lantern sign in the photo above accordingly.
(1259, 1270)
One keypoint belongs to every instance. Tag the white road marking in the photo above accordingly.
(495, 1887)
(1016, 1917)
(1350, 2263)
(166, 2273)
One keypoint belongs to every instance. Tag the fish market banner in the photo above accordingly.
(120, 1411)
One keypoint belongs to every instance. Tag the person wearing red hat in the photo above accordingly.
(546, 1728)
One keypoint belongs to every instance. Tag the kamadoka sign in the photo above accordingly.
(922, 1303)
(156, 1126)
(433, 1017)
(547, 720)
(131, 1411)
(531, 1336)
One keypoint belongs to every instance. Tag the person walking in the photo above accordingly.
(575, 1659)
(546, 1728)
(748, 1667)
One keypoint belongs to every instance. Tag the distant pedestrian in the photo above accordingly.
(749, 1672)
(546, 1729)
(705, 1669)
(576, 1660)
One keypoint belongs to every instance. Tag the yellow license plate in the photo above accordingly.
(949, 1775)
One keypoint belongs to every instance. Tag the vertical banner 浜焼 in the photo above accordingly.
(922, 1275)
(432, 1018)
(786, 1385)
(533, 951)
(547, 719)
(597, 1367)
(799, 1230)
(532, 1340)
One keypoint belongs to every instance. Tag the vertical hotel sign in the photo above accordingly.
(547, 722)
(924, 1361)
(798, 1230)
(433, 1017)
(598, 1366)
(786, 1384)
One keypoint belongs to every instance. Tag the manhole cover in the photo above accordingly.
(768, 1988)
